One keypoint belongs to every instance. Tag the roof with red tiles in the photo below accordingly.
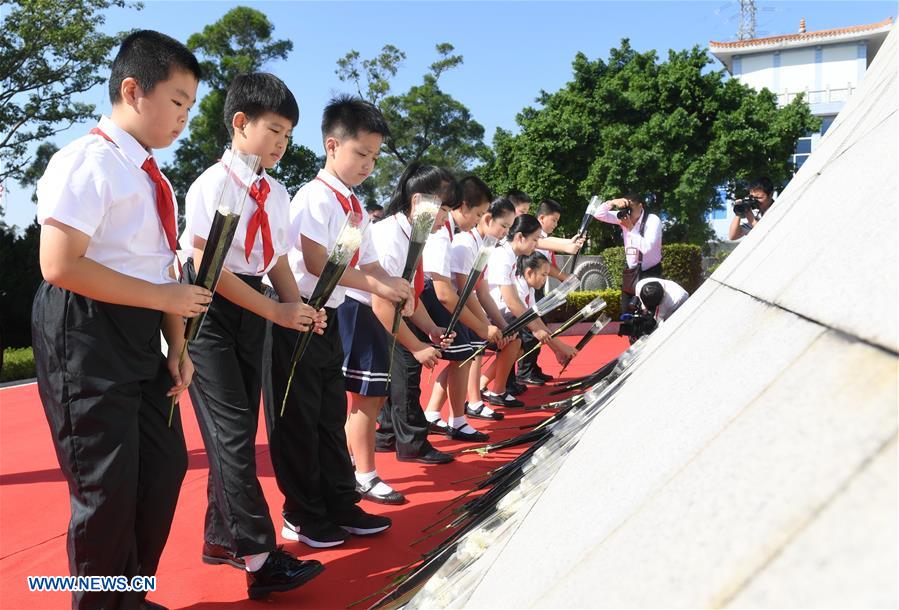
(757, 42)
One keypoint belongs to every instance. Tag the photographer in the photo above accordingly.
(745, 218)
(661, 298)
(657, 301)
(642, 234)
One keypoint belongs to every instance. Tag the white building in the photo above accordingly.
(827, 66)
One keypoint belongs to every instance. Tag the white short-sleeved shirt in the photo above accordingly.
(438, 250)
(501, 271)
(316, 214)
(549, 254)
(465, 250)
(649, 242)
(202, 199)
(390, 237)
(99, 188)
(673, 297)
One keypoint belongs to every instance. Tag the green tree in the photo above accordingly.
(426, 123)
(20, 273)
(670, 130)
(241, 41)
(50, 52)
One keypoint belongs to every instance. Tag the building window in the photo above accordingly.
(826, 122)
(804, 146)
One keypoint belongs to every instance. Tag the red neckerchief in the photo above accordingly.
(347, 204)
(165, 201)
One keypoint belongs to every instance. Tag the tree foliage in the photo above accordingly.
(426, 123)
(50, 51)
(241, 41)
(669, 130)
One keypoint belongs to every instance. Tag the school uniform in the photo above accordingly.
(642, 244)
(436, 258)
(401, 423)
(101, 374)
(528, 367)
(227, 357)
(502, 271)
(465, 249)
(308, 442)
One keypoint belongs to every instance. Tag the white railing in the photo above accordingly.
(818, 96)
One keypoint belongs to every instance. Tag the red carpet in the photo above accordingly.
(34, 509)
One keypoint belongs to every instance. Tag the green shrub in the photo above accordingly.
(681, 263)
(577, 300)
(18, 363)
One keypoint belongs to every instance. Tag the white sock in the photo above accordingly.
(475, 405)
(254, 562)
(457, 422)
(486, 411)
(432, 416)
(363, 478)
(381, 489)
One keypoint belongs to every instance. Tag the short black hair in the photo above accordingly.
(373, 207)
(651, 295)
(549, 206)
(149, 57)
(257, 93)
(475, 191)
(450, 191)
(516, 197)
(346, 115)
(764, 183)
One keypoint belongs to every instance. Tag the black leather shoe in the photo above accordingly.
(472, 437)
(384, 448)
(477, 413)
(429, 457)
(532, 380)
(433, 428)
(504, 401)
(215, 554)
(392, 497)
(544, 376)
(281, 572)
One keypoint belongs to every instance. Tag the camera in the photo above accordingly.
(624, 213)
(636, 325)
(741, 206)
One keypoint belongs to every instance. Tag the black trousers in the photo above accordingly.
(102, 381)
(402, 423)
(227, 356)
(308, 443)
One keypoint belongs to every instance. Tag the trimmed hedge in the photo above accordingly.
(18, 363)
(577, 300)
(681, 263)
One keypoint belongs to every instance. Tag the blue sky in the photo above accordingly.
(511, 49)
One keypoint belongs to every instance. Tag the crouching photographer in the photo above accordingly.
(657, 301)
(642, 235)
(749, 210)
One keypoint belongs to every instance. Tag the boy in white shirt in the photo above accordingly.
(308, 442)
(260, 113)
(107, 254)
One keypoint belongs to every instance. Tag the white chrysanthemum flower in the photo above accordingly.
(474, 545)
(350, 238)
(434, 584)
